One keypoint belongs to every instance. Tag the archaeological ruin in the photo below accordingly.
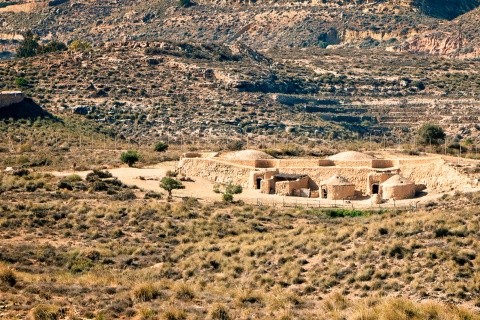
(346, 175)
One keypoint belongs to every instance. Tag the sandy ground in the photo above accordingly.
(202, 189)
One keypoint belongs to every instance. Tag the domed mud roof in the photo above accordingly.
(397, 180)
(351, 155)
(245, 155)
(338, 181)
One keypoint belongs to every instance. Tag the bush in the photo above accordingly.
(74, 178)
(130, 157)
(52, 46)
(127, 195)
(227, 197)
(8, 276)
(153, 195)
(21, 82)
(219, 312)
(79, 45)
(160, 147)
(186, 3)
(430, 133)
(235, 145)
(146, 292)
(63, 184)
(45, 312)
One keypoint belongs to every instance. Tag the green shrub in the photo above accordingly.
(21, 82)
(227, 197)
(130, 157)
(160, 147)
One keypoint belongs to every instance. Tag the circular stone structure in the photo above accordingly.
(351, 156)
(245, 155)
(337, 188)
(397, 188)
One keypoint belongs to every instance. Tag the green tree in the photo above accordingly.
(430, 134)
(29, 45)
(129, 157)
(170, 184)
(160, 147)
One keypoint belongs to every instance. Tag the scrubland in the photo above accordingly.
(97, 249)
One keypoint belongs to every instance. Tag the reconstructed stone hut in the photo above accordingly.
(397, 188)
(337, 188)
(359, 174)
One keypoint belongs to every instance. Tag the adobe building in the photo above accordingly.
(346, 175)
(398, 188)
(337, 188)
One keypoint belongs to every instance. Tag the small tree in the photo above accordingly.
(29, 45)
(129, 157)
(170, 184)
(430, 134)
(160, 147)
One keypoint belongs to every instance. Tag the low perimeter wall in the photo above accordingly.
(7, 99)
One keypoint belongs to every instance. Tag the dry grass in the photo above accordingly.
(99, 257)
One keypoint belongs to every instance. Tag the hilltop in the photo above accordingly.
(260, 24)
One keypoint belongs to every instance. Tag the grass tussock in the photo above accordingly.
(156, 260)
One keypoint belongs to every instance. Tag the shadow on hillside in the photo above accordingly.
(27, 109)
(449, 10)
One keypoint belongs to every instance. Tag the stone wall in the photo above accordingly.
(340, 192)
(8, 98)
(217, 171)
(436, 175)
(357, 176)
(382, 164)
(353, 163)
(433, 172)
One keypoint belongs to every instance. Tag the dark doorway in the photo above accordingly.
(375, 188)
(259, 182)
(324, 193)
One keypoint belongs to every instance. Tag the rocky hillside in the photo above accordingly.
(457, 38)
(259, 24)
(145, 89)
